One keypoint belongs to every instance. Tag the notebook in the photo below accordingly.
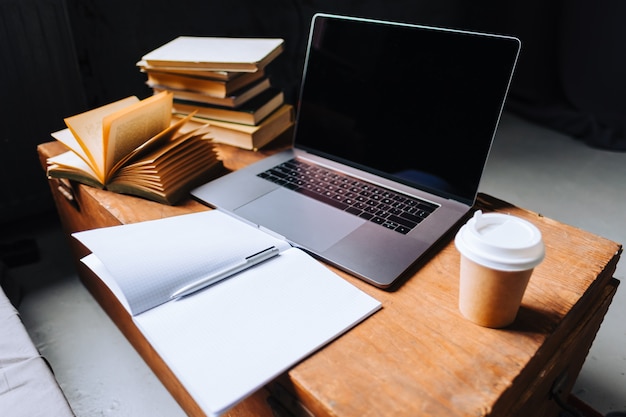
(398, 117)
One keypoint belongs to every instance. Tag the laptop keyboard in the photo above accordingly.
(390, 209)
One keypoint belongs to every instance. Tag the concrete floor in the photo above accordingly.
(530, 166)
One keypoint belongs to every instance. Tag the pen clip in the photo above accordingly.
(263, 252)
(248, 262)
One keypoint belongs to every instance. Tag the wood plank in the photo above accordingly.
(565, 363)
(419, 356)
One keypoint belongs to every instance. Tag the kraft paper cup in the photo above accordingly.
(498, 255)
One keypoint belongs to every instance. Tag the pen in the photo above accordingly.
(248, 262)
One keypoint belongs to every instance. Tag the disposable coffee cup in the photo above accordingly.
(498, 255)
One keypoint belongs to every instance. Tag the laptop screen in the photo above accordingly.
(414, 104)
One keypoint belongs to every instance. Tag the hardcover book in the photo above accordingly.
(216, 75)
(205, 85)
(251, 112)
(237, 98)
(246, 136)
(216, 53)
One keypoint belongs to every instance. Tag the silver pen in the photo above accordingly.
(248, 262)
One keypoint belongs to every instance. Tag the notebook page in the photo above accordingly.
(228, 341)
(150, 260)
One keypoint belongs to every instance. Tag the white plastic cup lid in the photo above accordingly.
(501, 241)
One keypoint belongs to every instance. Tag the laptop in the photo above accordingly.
(393, 128)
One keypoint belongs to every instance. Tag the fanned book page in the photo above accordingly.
(229, 339)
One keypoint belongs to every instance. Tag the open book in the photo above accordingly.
(132, 147)
(226, 340)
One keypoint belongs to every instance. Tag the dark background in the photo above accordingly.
(62, 57)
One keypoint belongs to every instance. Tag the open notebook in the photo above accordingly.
(224, 341)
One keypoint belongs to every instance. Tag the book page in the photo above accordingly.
(66, 137)
(128, 128)
(88, 132)
(170, 165)
(228, 341)
(166, 174)
(69, 165)
(151, 260)
(158, 140)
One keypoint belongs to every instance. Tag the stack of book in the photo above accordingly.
(224, 81)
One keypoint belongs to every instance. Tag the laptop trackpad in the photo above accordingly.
(300, 219)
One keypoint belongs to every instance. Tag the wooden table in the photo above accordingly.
(417, 356)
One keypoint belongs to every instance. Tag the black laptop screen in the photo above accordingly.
(415, 104)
